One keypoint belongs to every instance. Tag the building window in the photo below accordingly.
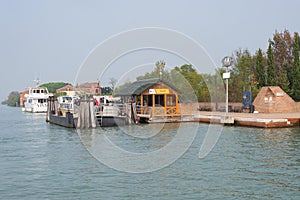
(97, 91)
(147, 100)
(159, 100)
(171, 100)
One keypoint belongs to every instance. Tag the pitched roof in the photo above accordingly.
(138, 87)
(89, 84)
(275, 89)
(64, 88)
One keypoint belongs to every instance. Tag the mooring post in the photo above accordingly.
(86, 113)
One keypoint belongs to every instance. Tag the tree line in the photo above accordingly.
(13, 98)
(278, 66)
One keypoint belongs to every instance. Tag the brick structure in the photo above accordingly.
(68, 89)
(89, 88)
(65, 88)
(272, 99)
(23, 98)
(85, 88)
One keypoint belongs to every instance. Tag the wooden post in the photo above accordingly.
(92, 114)
(134, 113)
(153, 105)
(142, 104)
(48, 109)
(128, 113)
(176, 104)
(86, 114)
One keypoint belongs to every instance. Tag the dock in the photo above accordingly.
(261, 120)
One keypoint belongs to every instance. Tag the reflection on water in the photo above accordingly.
(44, 161)
(129, 153)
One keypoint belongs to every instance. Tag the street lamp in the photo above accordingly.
(226, 61)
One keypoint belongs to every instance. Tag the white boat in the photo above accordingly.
(36, 100)
(67, 103)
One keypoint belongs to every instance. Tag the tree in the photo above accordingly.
(271, 80)
(158, 72)
(242, 75)
(113, 82)
(260, 74)
(190, 83)
(296, 70)
(282, 44)
(106, 91)
(53, 86)
(13, 99)
(121, 87)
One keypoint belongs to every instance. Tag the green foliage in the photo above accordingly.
(242, 76)
(282, 45)
(260, 69)
(296, 70)
(13, 99)
(113, 82)
(53, 86)
(185, 78)
(271, 80)
(159, 67)
(282, 80)
(107, 90)
(212, 87)
(188, 82)
(121, 87)
(61, 94)
(280, 66)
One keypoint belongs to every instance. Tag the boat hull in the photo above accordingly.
(66, 121)
(106, 121)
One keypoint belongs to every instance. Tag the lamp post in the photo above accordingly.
(226, 61)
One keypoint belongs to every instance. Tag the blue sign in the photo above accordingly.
(247, 100)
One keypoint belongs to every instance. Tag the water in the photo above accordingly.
(43, 161)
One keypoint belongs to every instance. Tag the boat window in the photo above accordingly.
(42, 100)
(37, 91)
(42, 91)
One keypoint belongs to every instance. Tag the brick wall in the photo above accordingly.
(211, 106)
(297, 105)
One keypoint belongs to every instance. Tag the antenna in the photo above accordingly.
(37, 81)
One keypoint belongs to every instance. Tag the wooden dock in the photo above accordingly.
(262, 120)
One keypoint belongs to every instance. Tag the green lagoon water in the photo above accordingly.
(44, 161)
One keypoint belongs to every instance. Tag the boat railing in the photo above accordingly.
(66, 106)
(109, 109)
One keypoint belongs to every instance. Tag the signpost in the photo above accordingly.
(226, 61)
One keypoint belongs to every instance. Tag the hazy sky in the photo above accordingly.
(50, 39)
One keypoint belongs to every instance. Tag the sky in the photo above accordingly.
(50, 40)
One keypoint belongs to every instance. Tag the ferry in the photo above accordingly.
(76, 112)
(36, 100)
(61, 110)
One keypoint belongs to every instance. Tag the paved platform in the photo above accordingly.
(263, 120)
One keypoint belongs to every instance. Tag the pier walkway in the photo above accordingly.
(263, 120)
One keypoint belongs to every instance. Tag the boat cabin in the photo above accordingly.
(153, 98)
